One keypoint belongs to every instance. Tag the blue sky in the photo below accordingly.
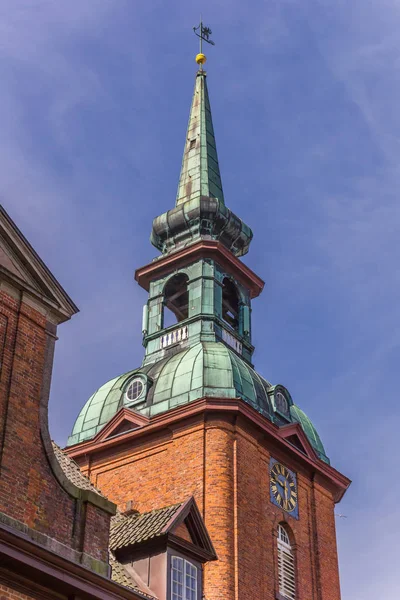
(305, 95)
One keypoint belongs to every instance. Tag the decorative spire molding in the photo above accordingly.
(200, 212)
(200, 175)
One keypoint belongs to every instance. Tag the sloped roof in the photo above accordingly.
(140, 528)
(310, 431)
(200, 175)
(20, 263)
(208, 369)
(72, 471)
(120, 575)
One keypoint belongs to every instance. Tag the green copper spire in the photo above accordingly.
(200, 174)
(197, 325)
(200, 211)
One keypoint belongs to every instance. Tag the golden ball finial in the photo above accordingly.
(201, 59)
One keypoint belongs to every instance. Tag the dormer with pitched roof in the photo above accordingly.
(158, 549)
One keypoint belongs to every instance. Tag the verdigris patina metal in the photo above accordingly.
(206, 352)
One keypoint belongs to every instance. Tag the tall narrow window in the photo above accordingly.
(183, 579)
(230, 303)
(176, 300)
(286, 570)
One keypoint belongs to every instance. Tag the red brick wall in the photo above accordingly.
(97, 530)
(226, 467)
(326, 549)
(138, 475)
(182, 532)
(29, 491)
(253, 520)
(219, 582)
(8, 593)
(8, 312)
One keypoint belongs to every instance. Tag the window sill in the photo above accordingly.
(279, 596)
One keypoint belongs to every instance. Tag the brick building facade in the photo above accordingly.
(59, 536)
(54, 525)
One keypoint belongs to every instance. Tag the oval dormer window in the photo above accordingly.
(281, 403)
(134, 390)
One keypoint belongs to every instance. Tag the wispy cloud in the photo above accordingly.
(93, 109)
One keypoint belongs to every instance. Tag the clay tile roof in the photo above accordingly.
(139, 528)
(72, 471)
(122, 577)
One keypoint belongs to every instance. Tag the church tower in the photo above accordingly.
(197, 420)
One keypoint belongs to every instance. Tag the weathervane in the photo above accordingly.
(204, 34)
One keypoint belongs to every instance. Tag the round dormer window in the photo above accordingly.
(134, 390)
(281, 403)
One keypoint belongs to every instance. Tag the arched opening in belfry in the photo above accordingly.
(176, 300)
(230, 303)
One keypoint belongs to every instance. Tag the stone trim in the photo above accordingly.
(41, 539)
(25, 546)
(336, 482)
(71, 489)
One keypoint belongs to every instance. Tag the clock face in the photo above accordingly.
(283, 488)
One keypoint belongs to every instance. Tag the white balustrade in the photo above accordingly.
(232, 341)
(174, 337)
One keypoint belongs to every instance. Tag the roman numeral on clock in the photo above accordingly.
(283, 487)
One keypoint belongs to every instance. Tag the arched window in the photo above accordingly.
(183, 579)
(286, 570)
(176, 300)
(230, 303)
